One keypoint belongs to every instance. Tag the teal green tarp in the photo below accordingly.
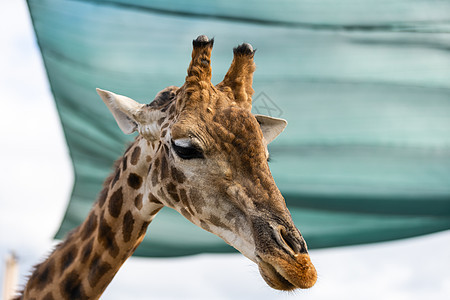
(364, 85)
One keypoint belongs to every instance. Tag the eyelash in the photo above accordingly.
(193, 152)
(187, 152)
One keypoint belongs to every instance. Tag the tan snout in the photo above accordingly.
(288, 274)
(283, 258)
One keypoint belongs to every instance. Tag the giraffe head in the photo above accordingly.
(211, 163)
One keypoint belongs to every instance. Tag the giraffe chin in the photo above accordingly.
(288, 275)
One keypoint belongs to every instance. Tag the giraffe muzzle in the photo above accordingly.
(287, 274)
(282, 256)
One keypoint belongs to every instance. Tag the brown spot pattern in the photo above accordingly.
(154, 175)
(128, 226)
(172, 191)
(138, 201)
(161, 193)
(236, 216)
(204, 225)
(165, 126)
(183, 196)
(156, 163)
(115, 203)
(89, 226)
(185, 214)
(218, 223)
(197, 200)
(71, 287)
(153, 199)
(164, 168)
(154, 178)
(128, 149)
(102, 196)
(184, 200)
(134, 181)
(124, 163)
(44, 274)
(98, 268)
(106, 238)
(135, 155)
(116, 178)
(155, 211)
(149, 168)
(177, 175)
(87, 250)
(48, 296)
(143, 228)
(68, 258)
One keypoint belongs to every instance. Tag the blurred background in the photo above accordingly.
(365, 158)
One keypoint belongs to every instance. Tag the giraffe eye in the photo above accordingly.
(185, 150)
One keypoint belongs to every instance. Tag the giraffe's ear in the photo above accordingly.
(131, 115)
(123, 109)
(270, 127)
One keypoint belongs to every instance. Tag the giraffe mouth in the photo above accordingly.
(273, 278)
(288, 275)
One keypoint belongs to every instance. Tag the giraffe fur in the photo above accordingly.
(201, 152)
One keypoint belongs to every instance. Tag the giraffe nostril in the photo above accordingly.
(289, 242)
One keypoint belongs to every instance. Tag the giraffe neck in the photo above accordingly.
(83, 265)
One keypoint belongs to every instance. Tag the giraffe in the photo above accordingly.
(201, 152)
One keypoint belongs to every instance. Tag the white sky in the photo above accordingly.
(35, 186)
